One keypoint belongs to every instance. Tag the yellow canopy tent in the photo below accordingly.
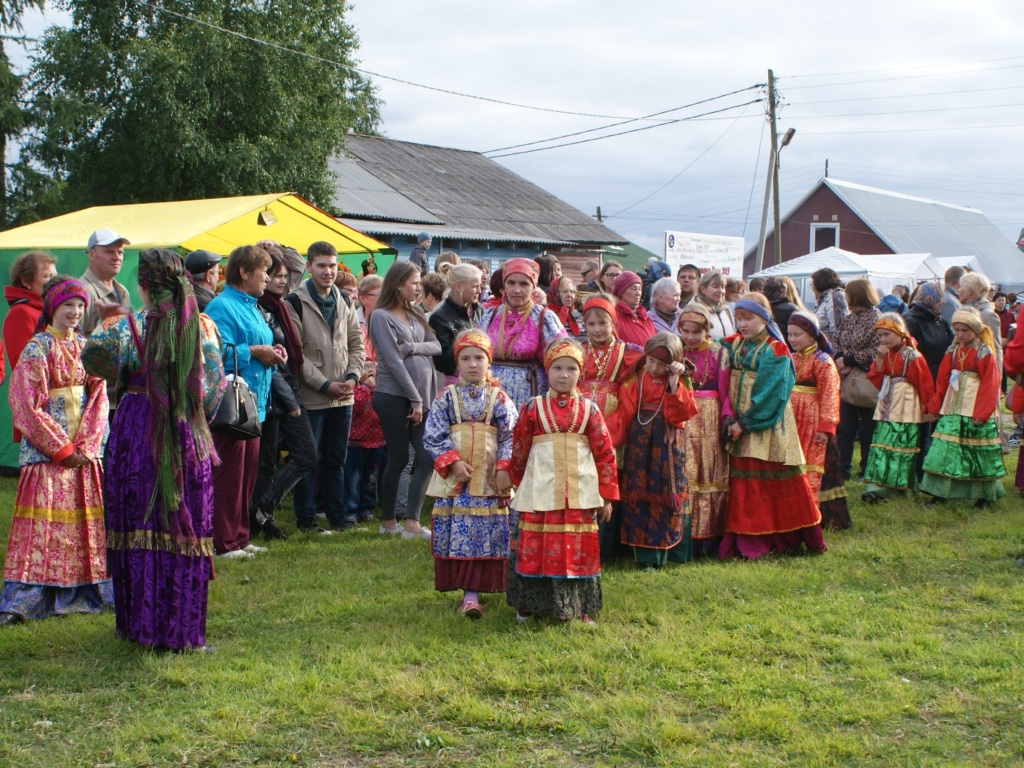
(219, 225)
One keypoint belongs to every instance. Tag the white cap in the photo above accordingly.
(106, 237)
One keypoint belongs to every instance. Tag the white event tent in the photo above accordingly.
(883, 270)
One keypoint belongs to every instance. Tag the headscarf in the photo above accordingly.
(972, 320)
(624, 281)
(756, 309)
(563, 348)
(888, 324)
(57, 295)
(929, 295)
(173, 363)
(808, 323)
(292, 343)
(474, 337)
(526, 267)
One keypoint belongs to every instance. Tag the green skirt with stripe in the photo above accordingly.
(964, 461)
(892, 460)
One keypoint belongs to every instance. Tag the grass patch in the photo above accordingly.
(901, 645)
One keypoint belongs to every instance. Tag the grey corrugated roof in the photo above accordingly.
(463, 189)
(916, 225)
(376, 227)
(360, 193)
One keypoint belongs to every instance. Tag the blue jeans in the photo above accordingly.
(330, 434)
(361, 472)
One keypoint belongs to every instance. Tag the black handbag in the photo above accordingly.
(237, 416)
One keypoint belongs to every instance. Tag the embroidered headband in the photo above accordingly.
(57, 295)
(475, 338)
(887, 324)
(563, 348)
(520, 266)
(694, 313)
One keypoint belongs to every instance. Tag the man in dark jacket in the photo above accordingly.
(419, 253)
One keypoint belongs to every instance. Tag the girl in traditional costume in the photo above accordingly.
(964, 460)
(469, 434)
(520, 330)
(815, 401)
(650, 420)
(556, 570)
(905, 387)
(608, 363)
(166, 361)
(707, 463)
(771, 506)
(56, 560)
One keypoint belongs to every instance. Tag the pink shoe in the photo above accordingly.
(471, 609)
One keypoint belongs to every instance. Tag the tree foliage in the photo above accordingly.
(135, 104)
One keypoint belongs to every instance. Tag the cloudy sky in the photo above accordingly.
(921, 98)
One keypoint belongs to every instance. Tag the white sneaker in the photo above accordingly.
(252, 549)
(423, 534)
(385, 530)
(235, 554)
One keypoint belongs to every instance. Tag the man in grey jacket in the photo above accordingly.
(951, 294)
(332, 348)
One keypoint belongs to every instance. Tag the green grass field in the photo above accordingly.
(902, 645)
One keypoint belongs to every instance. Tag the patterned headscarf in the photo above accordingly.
(173, 362)
(808, 323)
(888, 324)
(695, 313)
(57, 295)
(929, 295)
(756, 309)
(525, 267)
(474, 337)
(563, 348)
(971, 318)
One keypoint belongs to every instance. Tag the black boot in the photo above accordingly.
(7, 619)
(271, 531)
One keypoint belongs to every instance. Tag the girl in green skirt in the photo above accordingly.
(964, 460)
(904, 388)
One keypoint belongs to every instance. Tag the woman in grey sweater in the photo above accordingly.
(406, 386)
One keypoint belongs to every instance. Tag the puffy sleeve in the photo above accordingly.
(827, 381)
(604, 454)
(504, 418)
(92, 432)
(1013, 355)
(680, 406)
(437, 434)
(522, 440)
(213, 368)
(724, 373)
(106, 350)
(920, 378)
(621, 419)
(770, 393)
(941, 382)
(876, 374)
(988, 390)
(550, 328)
(29, 399)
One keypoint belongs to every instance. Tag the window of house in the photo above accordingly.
(824, 236)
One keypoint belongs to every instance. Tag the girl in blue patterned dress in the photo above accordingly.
(469, 434)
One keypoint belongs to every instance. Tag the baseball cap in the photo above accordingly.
(106, 237)
(198, 262)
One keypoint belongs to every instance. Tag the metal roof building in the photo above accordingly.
(868, 220)
(395, 189)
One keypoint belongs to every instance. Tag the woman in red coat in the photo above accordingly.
(632, 324)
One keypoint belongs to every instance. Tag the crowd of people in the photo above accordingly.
(554, 424)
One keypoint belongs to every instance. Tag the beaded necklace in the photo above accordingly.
(640, 399)
(705, 347)
(601, 362)
(563, 400)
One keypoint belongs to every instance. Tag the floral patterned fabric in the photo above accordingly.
(56, 559)
(519, 341)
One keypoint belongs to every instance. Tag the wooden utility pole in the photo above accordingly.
(771, 180)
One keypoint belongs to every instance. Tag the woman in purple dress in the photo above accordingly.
(165, 361)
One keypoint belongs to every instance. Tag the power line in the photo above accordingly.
(911, 130)
(902, 69)
(361, 71)
(893, 79)
(698, 157)
(625, 122)
(904, 112)
(634, 130)
(906, 95)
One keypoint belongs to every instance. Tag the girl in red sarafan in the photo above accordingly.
(564, 466)
(650, 422)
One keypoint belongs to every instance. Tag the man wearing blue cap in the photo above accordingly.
(107, 297)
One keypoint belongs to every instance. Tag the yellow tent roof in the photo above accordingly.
(218, 225)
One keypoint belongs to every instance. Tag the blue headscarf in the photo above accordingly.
(756, 309)
(929, 295)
